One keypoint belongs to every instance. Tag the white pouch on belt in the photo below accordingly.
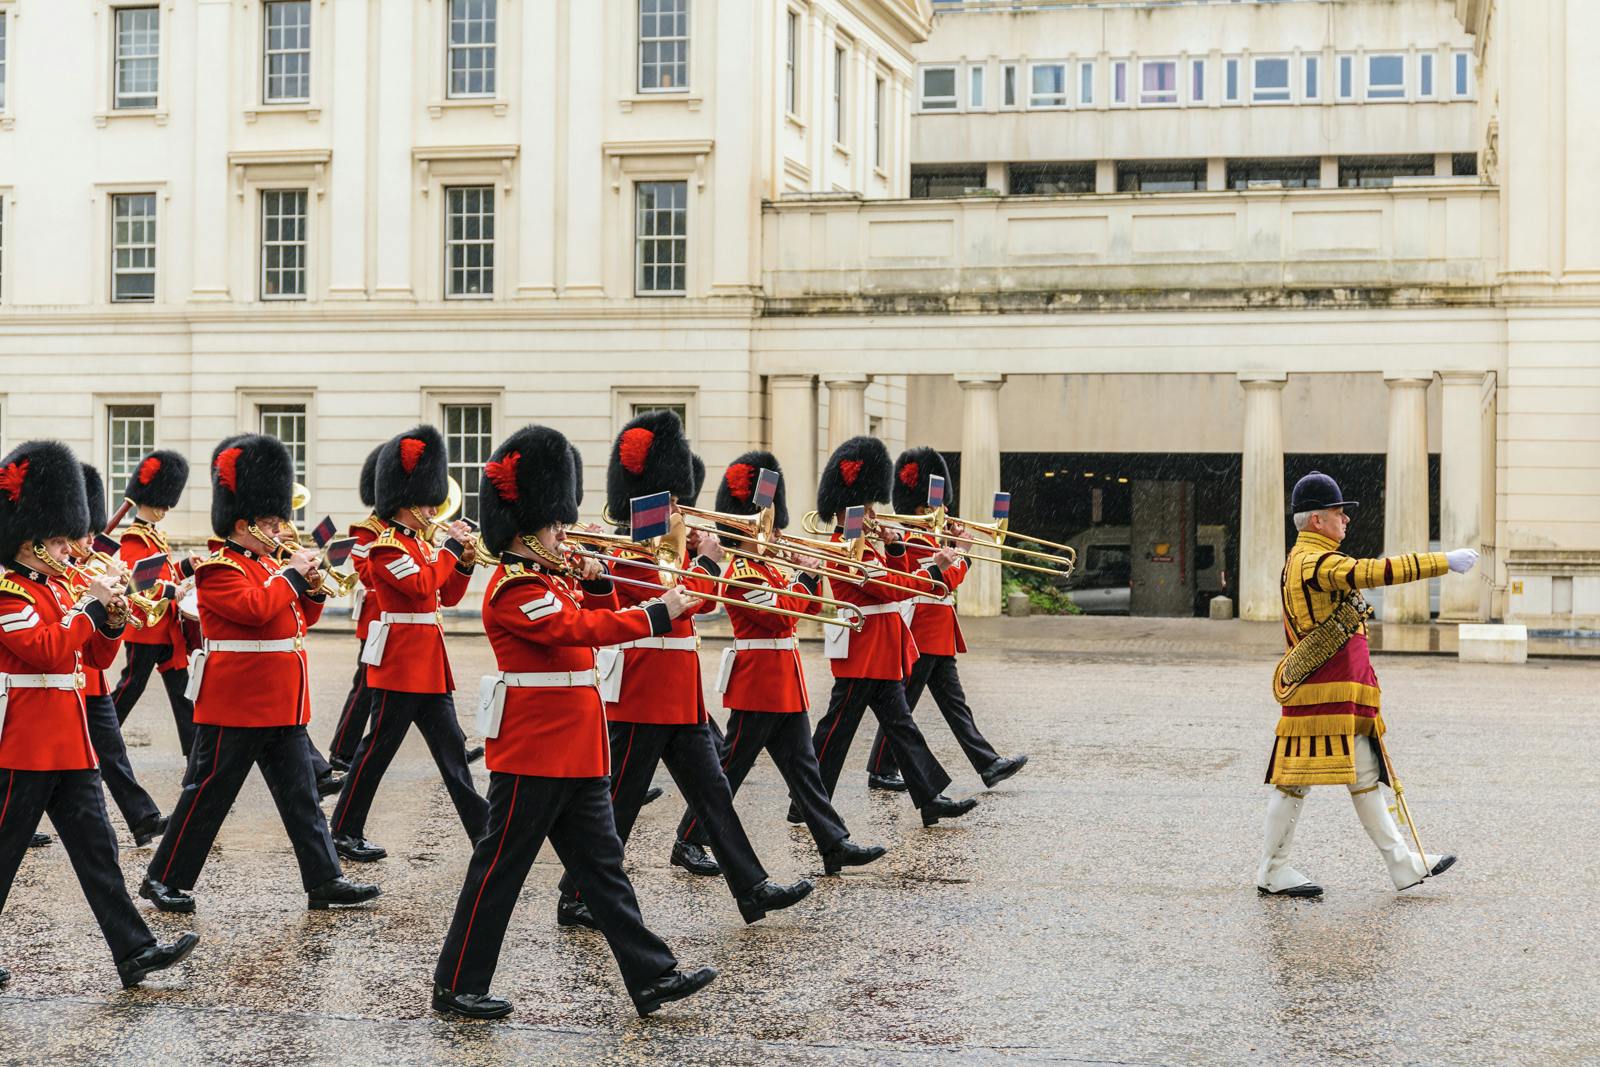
(725, 669)
(908, 611)
(358, 596)
(5, 698)
(197, 670)
(608, 662)
(377, 638)
(836, 642)
(491, 704)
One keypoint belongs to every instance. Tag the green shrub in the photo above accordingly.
(1044, 597)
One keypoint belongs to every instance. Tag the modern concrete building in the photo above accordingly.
(1078, 246)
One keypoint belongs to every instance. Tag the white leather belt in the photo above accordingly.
(775, 643)
(678, 644)
(551, 679)
(286, 644)
(419, 618)
(947, 601)
(41, 681)
(877, 609)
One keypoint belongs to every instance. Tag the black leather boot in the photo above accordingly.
(942, 807)
(891, 782)
(469, 1005)
(570, 911)
(849, 854)
(358, 849)
(674, 985)
(339, 892)
(1003, 768)
(149, 830)
(40, 839)
(152, 958)
(694, 859)
(166, 898)
(770, 896)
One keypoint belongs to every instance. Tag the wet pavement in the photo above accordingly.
(1097, 908)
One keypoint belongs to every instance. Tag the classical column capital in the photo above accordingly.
(980, 381)
(1263, 379)
(1408, 379)
(846, 381)
(1475, 377)
(791, 381)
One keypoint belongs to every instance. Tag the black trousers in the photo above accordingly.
(925, 778)
(575, 814)
(222, 758)
(353, 716)
(938, 675)
(691, 758)
(76, 806)
(393, 714)
(105, 734)
(142, 659)
(786, 736)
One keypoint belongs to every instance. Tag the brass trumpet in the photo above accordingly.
(99, 564)
(288, 546)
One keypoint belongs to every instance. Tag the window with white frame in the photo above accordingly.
(137, 57)
(133, 247)
(1158, 82)
(791, 65)
(1008, 85)
(877, 123)
(286, 56)
(1197, 81)
(130, 436)
(1461, 67)
(647, 407)
(938, 88)
(287, 422)
(663, 46)
(1119, 81)
(975, 88)
(1269, 80)
(4, 25)
(283, 244)
(468, 443)
(1386, 77)
(1230, 81)
(661, 238)
(839, 60)
(469, 242)
(1047, 85)
(1086, 84)
(1347, 77)
(474, 29)
(1425, 76)
(1311, 89)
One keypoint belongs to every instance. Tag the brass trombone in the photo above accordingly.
(1065, 560)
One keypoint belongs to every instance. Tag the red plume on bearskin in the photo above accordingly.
(412, 471)
(916, 467)
(252, 476)
(41, 496)
(741, 479)
(858, 472)
(158, 480)
(149, 469)
(227, 467)
(411, 451)
(909, 475)
(736, 493)
(503, 473)
(11, 478)
(634, 449)
(649, 455)
(849, 470)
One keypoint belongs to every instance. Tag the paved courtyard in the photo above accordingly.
(1098, 908)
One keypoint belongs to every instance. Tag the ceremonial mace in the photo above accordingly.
(1400, 802)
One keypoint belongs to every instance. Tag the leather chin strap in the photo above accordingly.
(51, 564)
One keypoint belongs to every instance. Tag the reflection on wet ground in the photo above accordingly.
(1099, 907)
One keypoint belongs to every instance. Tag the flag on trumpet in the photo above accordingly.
(935, 491)
(102, 543)
(146, 571)
(650, 516)
(1002, 505)
(854, 518)
(766, 489)
(339, 551)
(324, 531)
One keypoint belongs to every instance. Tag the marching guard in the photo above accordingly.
(545, 730)
(357, 709)
(153, 489)
(764, 687)
(651, 684)
(937, 635)
(49, 635)
(870, 667)
(408, 670)
(1331, 729)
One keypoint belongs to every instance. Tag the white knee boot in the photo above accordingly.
(1275, 876)
(1405, 867)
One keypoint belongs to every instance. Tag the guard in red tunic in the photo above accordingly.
(654, 704)
(869, 668)
(937, 636)
(545, 728)
(154, 488)
(764, 686)
(250, 685)
(357, 708)
(408, 671)
(48, 638)
(144, 819)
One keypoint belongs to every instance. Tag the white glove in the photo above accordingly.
(1461, 560)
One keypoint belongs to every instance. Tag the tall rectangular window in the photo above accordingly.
(1461, 63)
(474, 31)
(1158, 81)
(661, 238)
(1197, 81)
(1008, 85)
(1347, 77)
(1313, 83)
(938, 88)
(877, 122)
(283, 244)
(1049, 85)
(130, 436)
(138, 57)
(1386, 77)
(663, 46)
(1119, 81)
(1086, 84)
(4, 23)
(287, 422)
(1269, 80)
(839, 58)
(1425, 75)
(468, 443)
(791, 66)
(287, 59)
(469, 242)
(975, 88)
(133, 246)
(1230, 81)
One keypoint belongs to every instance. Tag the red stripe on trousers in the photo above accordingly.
(216, 761)
(835, 726)
(376, 725)
(11, 776)
(467, 937)
(616, 783)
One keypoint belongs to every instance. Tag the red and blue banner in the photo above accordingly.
(766, 489)
(854, 518)
(650, 516)
(1002, 505)
(147, 571)
(935, 491)
(104, 544)
(324, 531)
(339, 551)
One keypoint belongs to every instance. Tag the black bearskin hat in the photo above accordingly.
(94, 490)
(158, 480)
(737, 490)
(577, 474)
(692, 499)
(650, 455)
(252, 476)
(857, 473)
(413, 471)
(527, 484)
(911, 473)
(41, 496)
(369, 478)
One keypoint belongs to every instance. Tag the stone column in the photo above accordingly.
(792, 414)
(1262, 514)
(847, 408)
(979, 595)
(1462, 597)
(1405, 505)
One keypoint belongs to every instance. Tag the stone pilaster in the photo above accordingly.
(979, 594)
(1262, 531)
(1405, 505)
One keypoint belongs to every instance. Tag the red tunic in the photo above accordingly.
(541, 623)
(884, 648)
(933, 624)
(141, 541)
(766, 679)
(245, 597)
(365, 532)
(411, 577)
(659, 685)
(43, 632)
